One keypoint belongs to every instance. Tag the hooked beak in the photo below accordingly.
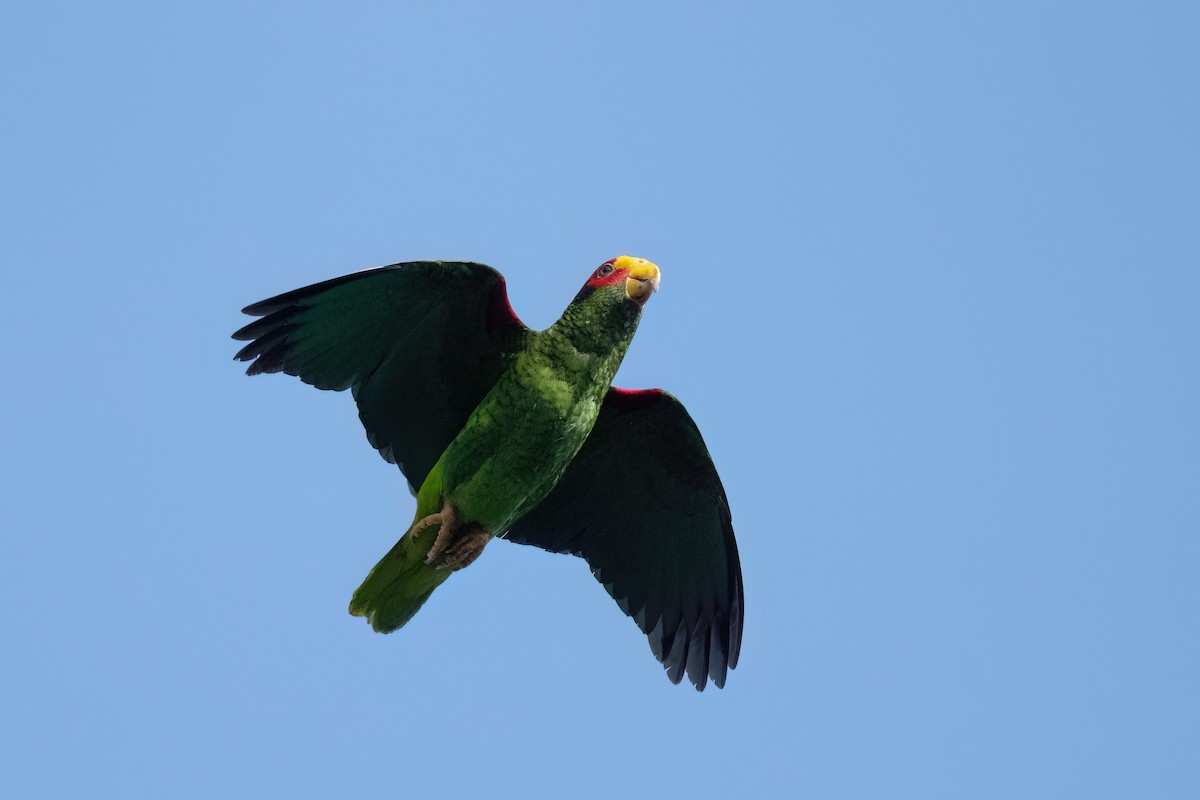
(643, 278)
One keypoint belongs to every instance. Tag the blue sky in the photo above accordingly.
(930, 280)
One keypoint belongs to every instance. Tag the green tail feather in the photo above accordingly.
(399, 584)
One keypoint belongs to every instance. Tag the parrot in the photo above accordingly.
(507, 432)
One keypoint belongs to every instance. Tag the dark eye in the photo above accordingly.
(604, 271)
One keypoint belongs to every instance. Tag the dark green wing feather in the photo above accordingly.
(419, 344)
(643, 505)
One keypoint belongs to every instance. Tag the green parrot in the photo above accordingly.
(507, 432)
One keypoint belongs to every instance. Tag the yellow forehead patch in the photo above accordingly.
(627, 262)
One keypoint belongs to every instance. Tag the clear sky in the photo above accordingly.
(930, 288)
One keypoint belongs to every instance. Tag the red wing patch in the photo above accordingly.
(500, 310)
(632, 399)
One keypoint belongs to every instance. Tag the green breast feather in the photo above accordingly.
(506, 432)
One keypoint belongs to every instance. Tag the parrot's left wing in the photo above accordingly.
(643, 505)
(419, 344)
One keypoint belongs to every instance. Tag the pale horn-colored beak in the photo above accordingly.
(643, 278)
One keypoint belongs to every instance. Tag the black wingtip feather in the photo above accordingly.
(717, 658)
(655, 637)
(697, 661)
(676, 660)
(260, 345)
(265, 325)
(272, 358)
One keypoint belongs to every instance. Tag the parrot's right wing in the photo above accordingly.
(419, 344)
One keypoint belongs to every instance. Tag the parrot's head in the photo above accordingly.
(632, 279)
(606, 311)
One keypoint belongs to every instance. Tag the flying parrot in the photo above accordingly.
(503, 431)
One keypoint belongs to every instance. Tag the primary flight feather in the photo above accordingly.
(503, 431)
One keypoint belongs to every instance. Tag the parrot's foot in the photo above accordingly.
(452, 549)
(460, 553)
